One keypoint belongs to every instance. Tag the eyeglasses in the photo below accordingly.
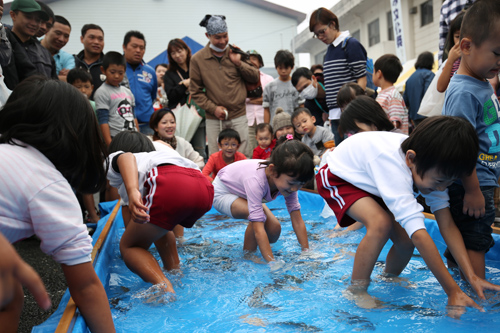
(227, 145)
(321, 32)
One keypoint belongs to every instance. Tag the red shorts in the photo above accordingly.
(177, 195)
(340, 195)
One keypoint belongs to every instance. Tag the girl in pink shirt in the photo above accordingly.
(243, 186)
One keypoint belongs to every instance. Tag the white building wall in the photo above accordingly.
(357, 14)
(250, 27)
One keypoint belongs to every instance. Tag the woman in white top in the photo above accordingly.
(164, 124)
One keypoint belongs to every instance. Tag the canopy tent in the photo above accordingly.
(162, 58)
(409, 69)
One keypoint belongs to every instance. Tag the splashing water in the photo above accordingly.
(219, 290)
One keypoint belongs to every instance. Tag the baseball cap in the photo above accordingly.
(29, 6)
(255, 53)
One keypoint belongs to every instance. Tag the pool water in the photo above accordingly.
(218, 290)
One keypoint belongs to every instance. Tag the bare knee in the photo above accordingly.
(380, 226)
(273, 230)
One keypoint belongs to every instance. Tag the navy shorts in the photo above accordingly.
(475, 232)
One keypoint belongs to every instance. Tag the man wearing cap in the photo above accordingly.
(218, 83)
(26, 17)
(255, 111)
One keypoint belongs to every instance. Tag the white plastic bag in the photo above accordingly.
(432, 103)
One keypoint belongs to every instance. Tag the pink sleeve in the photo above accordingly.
(292, 202)
(255, 190)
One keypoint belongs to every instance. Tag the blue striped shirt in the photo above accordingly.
(342, 66)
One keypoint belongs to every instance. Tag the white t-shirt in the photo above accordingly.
(35, 198)
(146, 162)
(375, 163)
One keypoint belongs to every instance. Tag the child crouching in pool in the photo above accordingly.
(371, 178)
(241, 187)
(162, 189)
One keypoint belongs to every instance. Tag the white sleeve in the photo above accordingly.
(396, 189)
(58, 222)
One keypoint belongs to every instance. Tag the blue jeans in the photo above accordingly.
(334, 125)
(145, 129)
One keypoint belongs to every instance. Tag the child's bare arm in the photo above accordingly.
(267, 115)
(262, 240)
(90, 297)
(106, 134)
(474, 204)
(423, 242)
(128, 170)
(455, 243)
(15, 270)
(300, 229)
(444, 78)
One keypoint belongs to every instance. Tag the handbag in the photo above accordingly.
(433, 101)
(254, 89)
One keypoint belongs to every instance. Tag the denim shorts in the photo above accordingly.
(475, 232)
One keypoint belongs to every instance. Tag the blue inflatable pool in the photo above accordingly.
(218, 290)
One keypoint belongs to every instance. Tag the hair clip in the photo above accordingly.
(289, 136)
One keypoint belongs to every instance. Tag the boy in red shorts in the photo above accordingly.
(162, 189)
(371, 178)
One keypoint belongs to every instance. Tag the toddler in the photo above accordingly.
(315, 137)
(282, 124)
(266, 143)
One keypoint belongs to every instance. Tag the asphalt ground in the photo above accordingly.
(52, 276)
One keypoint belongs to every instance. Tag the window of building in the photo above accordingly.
(390, 27)
(356, 34)
(373, 33)
(426, 13)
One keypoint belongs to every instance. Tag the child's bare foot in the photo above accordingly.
(358, 293)
(161, 293)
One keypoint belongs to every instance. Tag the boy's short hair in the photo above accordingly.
(480, 20)
(298, 111)
(390, 66)
(90, 26)
(448, 143)
(78, 74)
(113, 58)
(301, 72)
(229, 133)
(284, 58)
(264, 127)
(133, 33)
(425, 60)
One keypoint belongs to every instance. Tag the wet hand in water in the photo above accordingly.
(457, 303)
(480, 285)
